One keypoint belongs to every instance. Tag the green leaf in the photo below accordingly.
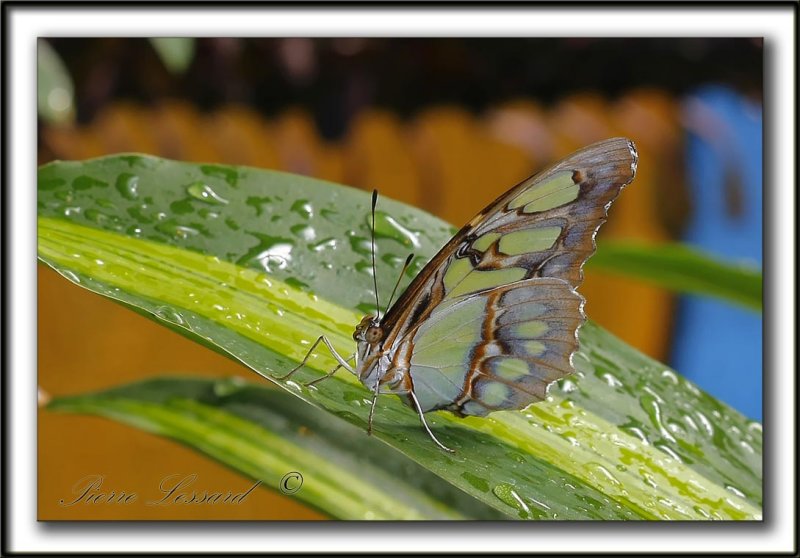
(683, 269)
(256, 264)
(265, 434)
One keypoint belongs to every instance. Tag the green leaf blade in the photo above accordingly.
(682, 269)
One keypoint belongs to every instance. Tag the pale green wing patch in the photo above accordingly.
(479, 280)
(558, 190)
(463, 277)
(511, 368)
(453, 321)
(529, 240)
(437, 387)
(484, 242)
(441, 350)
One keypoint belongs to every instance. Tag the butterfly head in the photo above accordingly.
(369, 330)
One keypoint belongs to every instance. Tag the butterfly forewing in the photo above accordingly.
(492, 319)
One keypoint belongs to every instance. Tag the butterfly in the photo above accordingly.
(492, 320)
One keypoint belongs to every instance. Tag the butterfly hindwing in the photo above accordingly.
(497, 349)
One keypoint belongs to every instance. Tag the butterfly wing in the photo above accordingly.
(498, 349)
(493, 318)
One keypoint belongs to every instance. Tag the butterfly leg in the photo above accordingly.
(331, 373)
(425, 424)
(372, 408)
(336, 355)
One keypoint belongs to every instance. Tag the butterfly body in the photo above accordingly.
(493, 318)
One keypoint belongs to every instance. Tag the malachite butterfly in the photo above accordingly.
(493, 318)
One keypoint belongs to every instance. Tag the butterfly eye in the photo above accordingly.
(374, 334)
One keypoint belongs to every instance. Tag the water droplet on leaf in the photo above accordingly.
(169, 314)
(205, 193)
(387, 226)
(506, 493)
(304, 231)
(127, 185)
(303, 209)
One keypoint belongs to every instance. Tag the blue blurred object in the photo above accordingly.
(717, 345)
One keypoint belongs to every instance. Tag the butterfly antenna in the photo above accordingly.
(374, 272)
(402, 272)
